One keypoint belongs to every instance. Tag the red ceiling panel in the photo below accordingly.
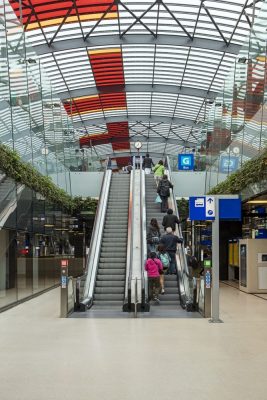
(54, 11)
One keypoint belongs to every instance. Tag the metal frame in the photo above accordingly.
(187, 91)
(115, 40)
(182, 268)
(210, 29)
(95, 246)
(128, 276)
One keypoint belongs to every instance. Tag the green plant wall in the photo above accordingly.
(24, 173)
(252, 171)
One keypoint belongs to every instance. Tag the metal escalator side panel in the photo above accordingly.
(182, 267)
(143, 239)
(96, 239)
(128, 278)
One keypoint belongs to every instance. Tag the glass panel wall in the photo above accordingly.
(236, 124)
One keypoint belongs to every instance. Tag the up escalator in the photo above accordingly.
(171, 296)
(106, 279)
(111, 273)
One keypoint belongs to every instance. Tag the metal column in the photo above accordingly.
(215, 293)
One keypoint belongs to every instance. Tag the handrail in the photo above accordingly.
(129, 263)
(94, 252)
(182, 267)
(144, 285)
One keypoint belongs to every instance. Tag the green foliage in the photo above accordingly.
(88, 204)
(25, 173)
(252, 171)
(183, 208)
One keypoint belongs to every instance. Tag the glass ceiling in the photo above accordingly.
(137, 70)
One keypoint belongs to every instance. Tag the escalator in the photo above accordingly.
(111, 273)
(108, 267)
(171, 296)
(178, 288)
(10, 193)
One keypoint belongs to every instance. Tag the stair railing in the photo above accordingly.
(185, 286)
(129, 262)
(96, 240)
(144, 281)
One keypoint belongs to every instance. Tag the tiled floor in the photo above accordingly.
(43, 357)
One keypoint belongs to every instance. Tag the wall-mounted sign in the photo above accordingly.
(185, 162)
(228, 164)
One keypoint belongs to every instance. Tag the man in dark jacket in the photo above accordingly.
(170, 220)
(164, 191)
(147, 164)
(170, 242)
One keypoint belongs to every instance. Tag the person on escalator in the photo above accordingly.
(164, 257)
(153, 236)
(154, 269)
(164, 191)
(170, 241)
(158, 171)
(170, 220)
(147, 164)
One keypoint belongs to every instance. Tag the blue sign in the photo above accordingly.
(228, 164)
(200, 209)
(230, 209)
(185, 162)
(208, 279)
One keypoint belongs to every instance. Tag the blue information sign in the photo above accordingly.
(228, 164)
(201, 208)
(185, 162)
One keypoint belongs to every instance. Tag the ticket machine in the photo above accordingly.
(253, 265)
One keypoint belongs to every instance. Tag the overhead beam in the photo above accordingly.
(172, 89)
(136, 118)
(139, 39)
(143, 139)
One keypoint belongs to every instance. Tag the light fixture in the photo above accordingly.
(257, 202)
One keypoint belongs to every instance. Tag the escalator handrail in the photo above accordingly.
(96, 238)
(144, 286)
(129, 262)
(182, 268)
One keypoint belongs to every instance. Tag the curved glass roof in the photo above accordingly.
(130, 70)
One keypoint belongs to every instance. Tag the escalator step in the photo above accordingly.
(109, 290)
(107, 278)
(111, 271)
(108, 296)
(108, 283)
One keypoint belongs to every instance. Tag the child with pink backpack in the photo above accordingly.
(154, 269)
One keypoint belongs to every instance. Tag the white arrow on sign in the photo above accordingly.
(210, 206)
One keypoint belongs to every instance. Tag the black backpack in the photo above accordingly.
(164, 188)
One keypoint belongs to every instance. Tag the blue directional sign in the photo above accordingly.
(185, 162)
(228, 164)
(202, 208)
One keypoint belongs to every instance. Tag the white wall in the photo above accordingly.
(193, 183)
(186, 183)
(86, 183)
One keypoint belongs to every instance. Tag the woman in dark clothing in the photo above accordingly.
(164, 191)
(147, 164)
(153, 236)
